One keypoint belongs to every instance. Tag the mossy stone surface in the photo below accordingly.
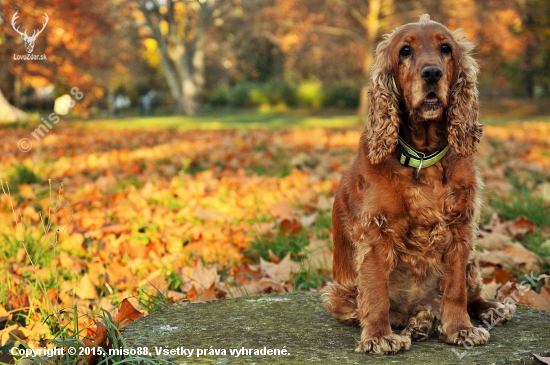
(299, 324)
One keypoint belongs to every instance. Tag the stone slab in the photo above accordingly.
(303, 332)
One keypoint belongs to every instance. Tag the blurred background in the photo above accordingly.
(158, 57)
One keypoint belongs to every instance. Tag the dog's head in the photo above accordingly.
(426, 71)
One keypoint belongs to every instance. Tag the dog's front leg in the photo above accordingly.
(456, 327)
(374, 305)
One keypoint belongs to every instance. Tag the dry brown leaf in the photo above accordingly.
(134, 249)
(283, 210)
(273, 257)
(192, 294)
(26, 191)
(290, 226)
(6, 335)
(208, 294)
(523, 258)
(126, 314)
(502, 276)
(519, 227)
(513, 257)
(494, 241)
(97, 337)
(198, 276)
(523, 295)
(280, 272)
(544, 360)
(75, 264)
(116, 229)
(119, 276)
(4, 314)
(175, 296)
(324, 203)
(85, 288)
(308, 220)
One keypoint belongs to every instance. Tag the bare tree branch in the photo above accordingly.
(354, 12)
(342, 32)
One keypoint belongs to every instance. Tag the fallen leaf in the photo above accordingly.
(502, 276)
(513, 257)
(283, 210)
(489, 290)
(75, 264)
(519, 227)
(85, 288)
(6, 335)
(97, 338)
(494, 241)
(208, 294)
(273, 257)
(198, 276)
(522, 295)
(308, 220)
(290, 226)
(126, 314)
(280, 272)
(192, 294)
(119, 276)
(523, 258)
(4, 314)
(545, 360)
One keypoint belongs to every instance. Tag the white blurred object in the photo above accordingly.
(63, 104)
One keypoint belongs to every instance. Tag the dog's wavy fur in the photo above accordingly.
(404, 246)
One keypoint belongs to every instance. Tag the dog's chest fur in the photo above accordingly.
(424, 230)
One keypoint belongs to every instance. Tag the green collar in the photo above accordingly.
(408, 156)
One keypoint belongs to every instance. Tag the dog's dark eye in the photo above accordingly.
(446, 49)
(405, 51)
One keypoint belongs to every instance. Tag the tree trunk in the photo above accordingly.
(182, 51)
(528, 72)
(9, 113)
(372, 25)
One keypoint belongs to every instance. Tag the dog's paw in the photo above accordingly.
(469, 335)
(498, 315)
(384, 345)
(421, 326)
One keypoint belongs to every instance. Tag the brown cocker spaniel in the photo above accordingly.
(406, 212)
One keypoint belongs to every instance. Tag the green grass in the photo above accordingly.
(20, 174)
(522, 201)
(240, 119)
(249, 119)
(308, 278)
(279, 243)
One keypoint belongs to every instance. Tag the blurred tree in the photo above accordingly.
(79, 42)
(8, 112)
(341, 30)
(534, 31)
(179, 27)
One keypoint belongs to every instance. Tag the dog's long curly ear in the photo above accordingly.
(463, 129)
(380, 135)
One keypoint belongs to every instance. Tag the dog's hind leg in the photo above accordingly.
(421, 326)
(341, 302)
(493, 313)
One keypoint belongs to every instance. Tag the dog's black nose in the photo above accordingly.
(431, 74)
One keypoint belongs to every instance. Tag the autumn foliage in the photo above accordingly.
(138, 219)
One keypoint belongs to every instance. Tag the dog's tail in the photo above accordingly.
(341, 302)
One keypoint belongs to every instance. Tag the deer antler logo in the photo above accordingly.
(29, 41)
